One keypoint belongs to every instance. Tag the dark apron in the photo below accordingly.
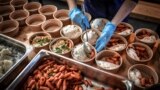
(103, 8)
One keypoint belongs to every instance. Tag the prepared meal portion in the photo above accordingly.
(40, 40)
(71, 31)
(140, 79)
(146, 36)
(123, 29)
(109, 62)
(51, 75)
(138, 52)
(83, 52)
(116, 44)
(98, 23)
(8, 57)
(90, 36)
(61, 46)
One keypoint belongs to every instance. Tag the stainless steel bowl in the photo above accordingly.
(15, 69)
(104, 78)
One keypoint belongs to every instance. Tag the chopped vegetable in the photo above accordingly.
(39, 41)
(61, 46)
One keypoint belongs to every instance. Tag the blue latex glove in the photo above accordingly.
(107, 33)
(79, 18)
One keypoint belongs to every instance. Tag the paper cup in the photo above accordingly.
(37, 49)
(63, 16)
(135, 61)
(32, 7)
(18, 4)
(35, 21)
(68, 54)
(108, 53)
(5, 11)
(52, 26)
(48, 10)
(9, 27)
(144, 69)
(20, 16)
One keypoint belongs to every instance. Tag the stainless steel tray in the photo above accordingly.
(100, 76)
(18, 46)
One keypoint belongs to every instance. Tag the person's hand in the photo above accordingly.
(105, 36)
(79, 18)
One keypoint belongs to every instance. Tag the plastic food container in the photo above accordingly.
(9, 27)
(48, 10)
(20, 16)
(146, 71)
(32, 7)
(104, 79)
(64, 49)
(52, 26)
(109, 60)
(18, 4)
(40, 40)
(149, 34)
(63, 16)
(35, 21)
(5, 11)
(20, 63)
(147, 53)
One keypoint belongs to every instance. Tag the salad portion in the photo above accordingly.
(40, 41)
(61, 46)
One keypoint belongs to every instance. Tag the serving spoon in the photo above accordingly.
(85, 44)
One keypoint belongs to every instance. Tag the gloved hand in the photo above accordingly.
(79, 18)
(107, 33)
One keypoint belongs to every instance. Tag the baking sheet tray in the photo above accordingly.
(20, 47)
(99, 76)
(155, 62)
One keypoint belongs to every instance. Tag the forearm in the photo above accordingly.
(71, 4)
(124, 11)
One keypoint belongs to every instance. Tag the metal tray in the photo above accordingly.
(19, 47)
(99, 76)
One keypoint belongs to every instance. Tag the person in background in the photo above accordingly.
(97, 9)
